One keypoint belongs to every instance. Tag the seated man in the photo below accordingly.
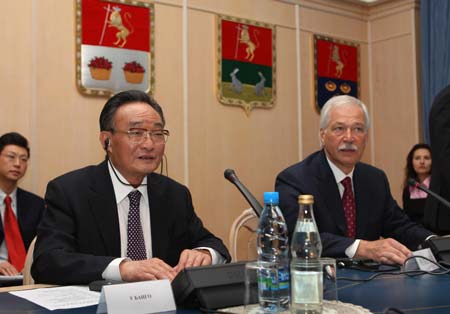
(21, 211)
(120, 220)
(353, 203)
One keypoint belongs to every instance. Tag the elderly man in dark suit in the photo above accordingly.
(21, 211)
(121, 220)
(353, 203)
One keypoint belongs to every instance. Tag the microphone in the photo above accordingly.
(416, 184)
(231, 176)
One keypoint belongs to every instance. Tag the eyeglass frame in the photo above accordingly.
(149, 134)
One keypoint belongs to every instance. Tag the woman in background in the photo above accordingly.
(418, 167)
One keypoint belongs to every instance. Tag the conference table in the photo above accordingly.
(424, 294)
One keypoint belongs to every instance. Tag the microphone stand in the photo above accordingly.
(231, 176)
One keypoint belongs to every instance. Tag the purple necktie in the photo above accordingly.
(136, 244)
(348, 202)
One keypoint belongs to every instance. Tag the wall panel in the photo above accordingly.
(394, 91)
(40, 98)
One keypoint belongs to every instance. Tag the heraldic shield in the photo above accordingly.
(246, 63)
(114, 46)
(336, 66)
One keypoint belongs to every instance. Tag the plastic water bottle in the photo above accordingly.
(273, 246)
(306, 270)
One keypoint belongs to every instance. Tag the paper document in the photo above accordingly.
(60, 297)
(421, 263)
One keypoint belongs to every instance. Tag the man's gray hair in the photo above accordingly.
(338, 101)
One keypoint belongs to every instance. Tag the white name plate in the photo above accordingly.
(137, 298)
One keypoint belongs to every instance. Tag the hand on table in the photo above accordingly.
(191, 258)
(149, 269)
(6, 269)
(386, 251)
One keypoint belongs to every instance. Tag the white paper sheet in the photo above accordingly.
(60, 297)
(423, 264)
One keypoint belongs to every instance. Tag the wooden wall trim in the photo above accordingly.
(390, 8)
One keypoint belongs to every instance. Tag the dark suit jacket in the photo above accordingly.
(437, 216)
(30, 208)
(79, 234)
(377, 214)
(413, 207)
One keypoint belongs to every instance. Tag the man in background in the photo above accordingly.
(120, 220)
(353, 205)
(21, 211)
(437, 215)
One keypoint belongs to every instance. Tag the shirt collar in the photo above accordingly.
(426, 182)
(415, 193)
(120, 190)
(338, 174)
(13, 196)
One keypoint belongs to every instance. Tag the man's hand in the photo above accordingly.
(7, 269)
(150, 269)
(386, 251)
(191, 258)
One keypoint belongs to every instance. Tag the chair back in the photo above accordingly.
(27, 279)
(243, 236)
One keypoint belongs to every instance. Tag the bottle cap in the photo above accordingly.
(306, 199)
(271, 198)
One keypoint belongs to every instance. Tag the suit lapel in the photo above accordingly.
(158, 217)
(329, 192)
(362, 203)
(102, 203)
(22, 206)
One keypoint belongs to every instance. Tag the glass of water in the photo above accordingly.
(329, 271)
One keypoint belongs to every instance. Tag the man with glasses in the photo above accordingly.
(353, 206)
(20, 210)
(120, 220)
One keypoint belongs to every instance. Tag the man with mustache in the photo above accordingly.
(353, 206)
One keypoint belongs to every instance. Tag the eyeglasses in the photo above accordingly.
(138, 136)
(11, 157)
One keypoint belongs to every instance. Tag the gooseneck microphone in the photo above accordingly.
(231, 176)
(416, 184)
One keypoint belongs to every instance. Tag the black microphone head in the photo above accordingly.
(412, 182)
(229, 174)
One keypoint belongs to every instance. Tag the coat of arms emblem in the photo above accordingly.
(114, 46)
(246, 63)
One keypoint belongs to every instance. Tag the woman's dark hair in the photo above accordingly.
(409, 169)
(123, 98)
(14, 138)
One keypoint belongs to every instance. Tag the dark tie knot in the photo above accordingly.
(134, 197)
(347, 182)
